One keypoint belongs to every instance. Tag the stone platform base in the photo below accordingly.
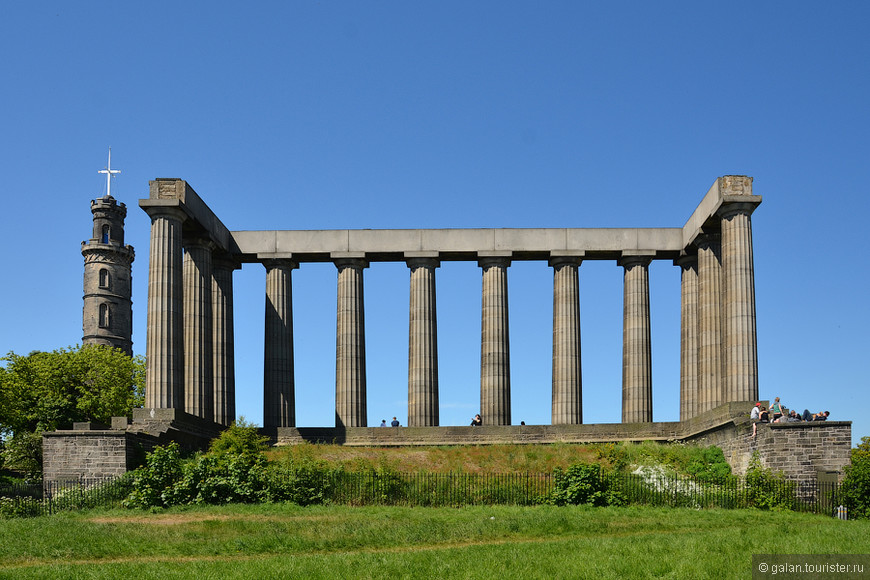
(802, 451)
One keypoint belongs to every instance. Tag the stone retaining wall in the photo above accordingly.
(802, 451)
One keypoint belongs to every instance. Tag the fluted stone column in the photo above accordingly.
(567, 377)
(709, 323)
(279, 394)
(350, 347)
(495, 368)
(164, 355)
(636, 343)
(198, 361)
(688, 336)
(422, 345)
(739, 334)
(223, 341)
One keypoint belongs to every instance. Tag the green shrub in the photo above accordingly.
(153, 483)
(240, 438)
(584, 484)
(20, 507)
(23, 453)
(767, 490)
(709, 465)
(855, 489)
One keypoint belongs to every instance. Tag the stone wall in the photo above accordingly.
(87, 454)
(802, 451)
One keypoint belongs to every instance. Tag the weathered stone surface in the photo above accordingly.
(422, 345)
(107, 314)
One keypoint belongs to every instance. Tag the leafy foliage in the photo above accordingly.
(23, 453)
(765, 489)
(44, 391)
(584, 484)
(154, 482)
(855, 489)
(238, 439)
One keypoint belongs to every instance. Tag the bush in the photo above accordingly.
(855, 489)
(766, 490)
(234, 470)
(240, 438)
(300, 482)
(583, 484)
(153, 483)
(23, 453)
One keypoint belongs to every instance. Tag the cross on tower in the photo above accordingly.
(110, 173)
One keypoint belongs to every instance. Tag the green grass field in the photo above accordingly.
(287, 541)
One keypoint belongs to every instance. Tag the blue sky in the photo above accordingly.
(388, 114)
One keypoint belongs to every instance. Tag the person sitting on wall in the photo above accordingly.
(394, 422)
(776, 410)
(383, 423)
(763, 417)
(476, 421)
(823, 416)
(755, 417)
(793, 417)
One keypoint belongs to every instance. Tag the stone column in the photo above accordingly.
(164, 354)
(198, 362)
(567, 378)
(688, 336)
(279, 395)
(495, 368)
(709, 323)
(350, 346)
(422, 345)
(739, 335)
(636, 344)
(224, 373)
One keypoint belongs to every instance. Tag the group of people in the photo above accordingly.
(476, 421)
(777, 414)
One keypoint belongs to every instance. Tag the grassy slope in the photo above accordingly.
(469, 459)
(339, 542)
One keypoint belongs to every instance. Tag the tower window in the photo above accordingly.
(105, 316)
(104, 279)
(106, 232)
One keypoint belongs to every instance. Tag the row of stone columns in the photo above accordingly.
(190, 352)
(718, 357)
(190, 331)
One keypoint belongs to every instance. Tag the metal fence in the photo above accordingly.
(36, 499)
(464, 489)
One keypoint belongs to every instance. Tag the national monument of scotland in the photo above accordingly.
(190, 388)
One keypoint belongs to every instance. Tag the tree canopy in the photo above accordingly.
(43, 391)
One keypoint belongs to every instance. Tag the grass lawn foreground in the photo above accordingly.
(288, 541)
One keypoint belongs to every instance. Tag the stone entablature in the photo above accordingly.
(718, 311)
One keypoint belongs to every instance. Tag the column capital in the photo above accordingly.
(487, 259)
(273, 263)
(729, 209)
(421, 262)
(630, 260)
(197, 241)
(687, 261)
(559, 260)
(173, 211)
(706, 238)
(357, 263)
(225, 261)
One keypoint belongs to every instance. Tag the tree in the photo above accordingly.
(855, 489)
(44, 391)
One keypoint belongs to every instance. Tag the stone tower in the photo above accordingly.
(107, 317)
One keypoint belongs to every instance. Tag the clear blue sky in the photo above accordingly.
(392, 114)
